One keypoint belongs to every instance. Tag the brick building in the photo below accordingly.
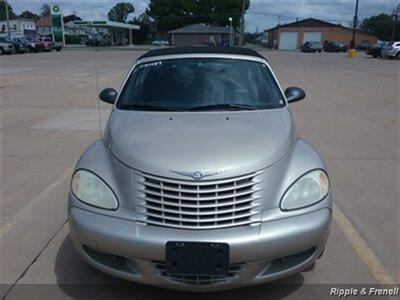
(200, 34)
(291, 36)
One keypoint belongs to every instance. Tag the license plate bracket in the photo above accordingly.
(197, 258)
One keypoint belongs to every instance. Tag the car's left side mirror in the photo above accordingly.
(108, 95)
(294, 94)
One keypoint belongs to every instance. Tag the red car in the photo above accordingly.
(45, 43)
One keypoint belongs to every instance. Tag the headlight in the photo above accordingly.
(309, 189)
(92, 190)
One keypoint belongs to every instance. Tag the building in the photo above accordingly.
(291, 36)
(43, 25)
(18, 27)
(200, 34)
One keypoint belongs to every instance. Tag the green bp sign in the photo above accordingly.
(56, 19)
(55, 9)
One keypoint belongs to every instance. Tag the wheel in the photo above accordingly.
(374, 56)
(58, 49)
(1, 51)
(398, 55)
(319, 51)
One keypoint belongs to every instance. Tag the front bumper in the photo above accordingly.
(258, 254)
(8, 50)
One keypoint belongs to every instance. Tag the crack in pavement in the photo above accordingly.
(35, 258)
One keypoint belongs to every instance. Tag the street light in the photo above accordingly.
(230, 32)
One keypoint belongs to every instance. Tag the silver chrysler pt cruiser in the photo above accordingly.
(200, 182)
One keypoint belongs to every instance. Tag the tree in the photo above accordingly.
(146, 26)
(381, 26)
(45, 10)
(171, 14)
(120, 12)
(11, 14)
(70, 18)
(29, 15)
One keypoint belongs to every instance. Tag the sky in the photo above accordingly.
(261, 15)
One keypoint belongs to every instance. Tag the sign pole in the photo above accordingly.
(63, 31)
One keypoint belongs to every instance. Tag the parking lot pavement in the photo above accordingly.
(50, 115)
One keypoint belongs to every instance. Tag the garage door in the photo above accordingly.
(314, 36)
(288, 40)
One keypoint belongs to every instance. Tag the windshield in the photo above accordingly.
(196, 83)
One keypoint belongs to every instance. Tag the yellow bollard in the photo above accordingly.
(352, 53)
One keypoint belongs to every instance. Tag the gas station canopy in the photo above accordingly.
(110, 25)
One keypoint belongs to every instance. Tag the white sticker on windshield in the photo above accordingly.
(151, 64)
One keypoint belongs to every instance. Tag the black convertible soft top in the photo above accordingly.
(202, 50)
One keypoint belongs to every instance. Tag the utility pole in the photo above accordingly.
(8, 21)
(241, 37)
(395, 20)
(352, 49)
(353, 40)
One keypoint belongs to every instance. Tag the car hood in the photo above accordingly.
(232, 143)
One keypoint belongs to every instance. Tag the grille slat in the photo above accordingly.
(215, 205)
(198, 204)
(233, 273)
(202, 220)
(206, 212)
(198, 198)
(201, 191)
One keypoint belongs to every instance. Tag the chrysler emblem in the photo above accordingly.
(197, 175)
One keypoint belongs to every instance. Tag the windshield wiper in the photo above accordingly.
(148, 107)
(227, 106)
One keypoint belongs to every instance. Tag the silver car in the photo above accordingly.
(200, 182)
(391, 50)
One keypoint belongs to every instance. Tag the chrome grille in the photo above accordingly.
(233, 273)
(199, 204)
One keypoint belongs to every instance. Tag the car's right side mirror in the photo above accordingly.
(108, 95)
(294, 94)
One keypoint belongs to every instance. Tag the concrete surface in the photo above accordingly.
(49, 112)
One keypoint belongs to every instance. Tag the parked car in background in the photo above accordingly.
(45, 43)
(337, 46)
(391, 50)
(35, 43)
(311, 47)
(160, 43)
(19, 46)
(58, 46)
(6, 47)
(364, 45)
(32, 46)
(98, 42)
(376, 49)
